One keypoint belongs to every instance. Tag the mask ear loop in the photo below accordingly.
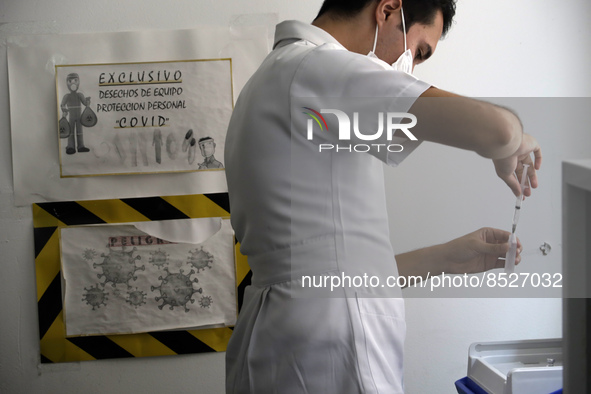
(403, 27)
(375, 40)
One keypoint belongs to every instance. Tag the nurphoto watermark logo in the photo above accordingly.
(353, 137)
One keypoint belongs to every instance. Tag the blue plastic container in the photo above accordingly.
(468, 386)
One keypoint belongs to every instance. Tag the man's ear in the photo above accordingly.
(387, 8)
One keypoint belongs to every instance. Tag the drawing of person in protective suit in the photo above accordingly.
(207, 147)
(72, 106)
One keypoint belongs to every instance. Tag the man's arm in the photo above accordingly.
(491, 131)
(478, 251)
(449, 119)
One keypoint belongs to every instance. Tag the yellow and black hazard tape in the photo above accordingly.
(48, 217)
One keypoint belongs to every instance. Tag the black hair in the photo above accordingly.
(415, 11)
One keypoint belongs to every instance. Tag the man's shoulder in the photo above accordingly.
(337, 56)
(300, 46)
(330, 65)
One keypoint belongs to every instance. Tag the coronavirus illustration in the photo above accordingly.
(159, 258)
(136, 298)
(200, 259)
(118, 267)
(176, 289)
(205, 301)
(89, 254)
(95, 297)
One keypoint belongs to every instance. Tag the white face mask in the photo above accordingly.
(404, 62)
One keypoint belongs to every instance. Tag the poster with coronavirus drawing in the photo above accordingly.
(139, 118)
(151, 276)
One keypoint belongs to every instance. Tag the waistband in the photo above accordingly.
(283, 265)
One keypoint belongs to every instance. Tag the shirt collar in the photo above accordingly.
(289, 31)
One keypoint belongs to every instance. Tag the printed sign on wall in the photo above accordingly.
(50, 219)
(148, 117)
(120, 279)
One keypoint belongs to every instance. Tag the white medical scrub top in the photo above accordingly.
(298, 211)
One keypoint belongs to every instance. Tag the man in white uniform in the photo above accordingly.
(298, 211)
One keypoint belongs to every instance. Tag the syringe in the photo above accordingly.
(512, 253)
(519, 199)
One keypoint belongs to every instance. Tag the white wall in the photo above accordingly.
(497, 48)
